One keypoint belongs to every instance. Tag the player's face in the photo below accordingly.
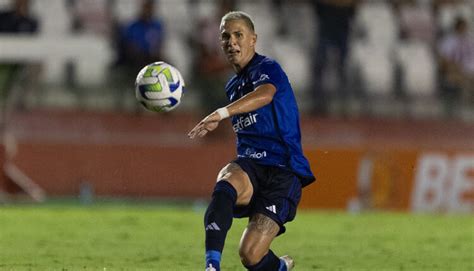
(238, 43)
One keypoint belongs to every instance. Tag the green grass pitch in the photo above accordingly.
(154, 237)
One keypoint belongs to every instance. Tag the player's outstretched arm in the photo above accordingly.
(206, 125)
(260, 97)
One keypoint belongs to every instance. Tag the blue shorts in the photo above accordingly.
(276, 192)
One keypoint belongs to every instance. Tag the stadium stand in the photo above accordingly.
(418, 80)
(377, 57)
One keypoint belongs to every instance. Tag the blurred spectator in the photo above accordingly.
(279, 9)
(18, 20)
(211, 68)
(138, 43)
(142, 39)
(445, 11)
(92, 16)
(334, 20)
(88, 17)
(456, 63)
(416, 22)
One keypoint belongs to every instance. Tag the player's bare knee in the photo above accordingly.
(244, 197)
(233, 174)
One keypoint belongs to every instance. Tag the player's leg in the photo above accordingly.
(275, 204)
(233, 187)
(254, 250)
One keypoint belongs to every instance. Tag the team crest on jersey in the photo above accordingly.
(263, 77)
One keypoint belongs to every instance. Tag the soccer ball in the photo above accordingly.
(159, 87)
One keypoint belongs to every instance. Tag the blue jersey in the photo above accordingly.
(271, 134)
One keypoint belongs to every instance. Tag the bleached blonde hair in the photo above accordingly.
(238, 15)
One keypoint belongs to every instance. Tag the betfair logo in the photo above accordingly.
(244, 122)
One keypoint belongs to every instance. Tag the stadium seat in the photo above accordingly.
(265, 22)
(296, 63)
(4, 4)
(418, 70)
(172, 14)
(375, 67)
(176, 50)
(379, 23)
(371, 57)
(205, 8)
(125, 10)
(300, 13)
(372, 75)
(53, 17)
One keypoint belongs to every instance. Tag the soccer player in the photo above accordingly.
(264, 182)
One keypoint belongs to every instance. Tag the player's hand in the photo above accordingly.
(206, 125)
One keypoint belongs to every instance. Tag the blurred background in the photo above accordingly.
(385, 89)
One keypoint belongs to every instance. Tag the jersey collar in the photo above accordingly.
(251, 62)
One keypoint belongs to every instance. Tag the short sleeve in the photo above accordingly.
(268, 73)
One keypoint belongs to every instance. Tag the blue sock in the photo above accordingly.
(213, 257)
(218, 220)
(282, 266)
(269, 262)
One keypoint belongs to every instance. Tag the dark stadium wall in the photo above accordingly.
(190, 172)
(124, 171)
(359, 164)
